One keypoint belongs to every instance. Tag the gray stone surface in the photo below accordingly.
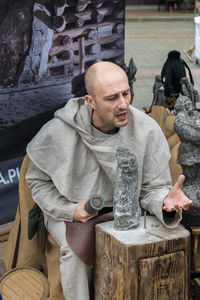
(126, 206)
(187, 126)
(155, 232)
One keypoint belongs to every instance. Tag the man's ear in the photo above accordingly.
(90, 101)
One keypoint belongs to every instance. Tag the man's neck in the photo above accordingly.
(112, 131)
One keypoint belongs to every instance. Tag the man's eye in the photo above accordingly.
(126, 93)
(112, 98)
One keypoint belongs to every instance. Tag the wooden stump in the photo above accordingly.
(195, 292)
(142, 264)
(24, 283)
(195, 255)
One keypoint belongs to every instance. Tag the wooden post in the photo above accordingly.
(59, 7)
(82, 4)
(105, 54)
(142, 263)
(196, 289)
(81, 42)
(104, 29)
(195, 255)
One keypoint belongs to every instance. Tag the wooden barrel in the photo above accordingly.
(24, 283)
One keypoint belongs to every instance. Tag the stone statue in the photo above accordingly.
(187, 126)
(130, 71)
(187, 89)
(126, 205)
(158, 92)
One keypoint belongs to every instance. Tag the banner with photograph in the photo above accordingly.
(45, 48)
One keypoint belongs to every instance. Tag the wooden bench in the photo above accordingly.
(22, 252)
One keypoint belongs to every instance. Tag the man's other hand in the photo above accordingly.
(176, 199)
(81, 215)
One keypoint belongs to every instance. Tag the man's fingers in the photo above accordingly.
(81, 215)
(168, 208)
(93, 215)
(186, 208)
(176, 207)
(187, 205)
(87, 218)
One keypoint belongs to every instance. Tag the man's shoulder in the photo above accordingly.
(61, 126)
(144, 128)
(142, 119)
(62, 117)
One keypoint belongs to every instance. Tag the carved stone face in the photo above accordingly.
(183, 103)
(188, 106)
(127, 160)
(126, 164)
(111, 101)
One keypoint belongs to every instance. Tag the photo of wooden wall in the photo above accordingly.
(45, 48)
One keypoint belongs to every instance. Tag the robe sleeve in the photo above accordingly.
(46, 195)
(152, 196)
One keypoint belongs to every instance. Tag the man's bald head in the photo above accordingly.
(108, 95)
(98, 71)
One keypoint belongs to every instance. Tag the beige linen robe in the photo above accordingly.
(71, 160)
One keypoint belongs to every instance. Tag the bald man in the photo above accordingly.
(73, 157)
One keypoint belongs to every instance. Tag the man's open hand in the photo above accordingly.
(81, 215)
(176, 199)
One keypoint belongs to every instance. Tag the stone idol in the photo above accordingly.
(187, 89)
(187, 126)
(158, 92)
(126, 205)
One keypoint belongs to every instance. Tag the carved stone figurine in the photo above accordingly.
(187, 126)
(158, 92)
(187, 89)
(130, 71)
(126, 205)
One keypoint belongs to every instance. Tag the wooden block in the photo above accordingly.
(195, 255)
(24, 283)
(142, 263)
(158, 277)
(197, 282)
(195, 289)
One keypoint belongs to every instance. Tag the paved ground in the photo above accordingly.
(149, 36)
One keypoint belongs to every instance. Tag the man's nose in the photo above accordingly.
(122, 103)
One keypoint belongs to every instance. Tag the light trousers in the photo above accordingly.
(75, 275)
